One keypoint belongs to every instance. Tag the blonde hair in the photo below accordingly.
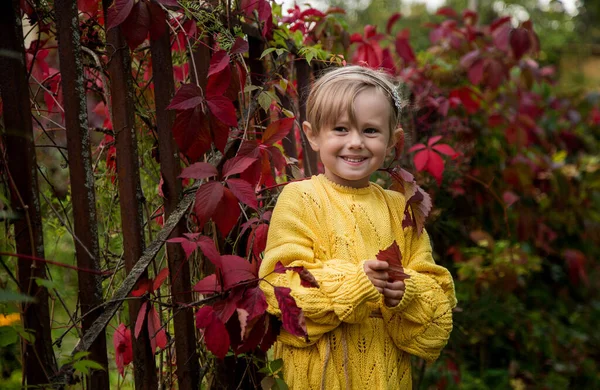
(334, 92)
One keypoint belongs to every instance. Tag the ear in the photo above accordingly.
(310, 135)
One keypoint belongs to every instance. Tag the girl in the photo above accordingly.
(362, 326)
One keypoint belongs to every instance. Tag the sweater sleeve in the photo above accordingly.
(344, 288)
(421, 323)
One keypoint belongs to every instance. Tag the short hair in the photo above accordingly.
(334, 93)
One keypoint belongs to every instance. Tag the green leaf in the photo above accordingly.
(280, 384)
(267, 51)
(14, 297)
(26, 334)
(265, 101)
(276, 365)
(8, 336)
(80, 355)
(49, 284)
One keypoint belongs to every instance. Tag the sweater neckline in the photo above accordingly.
(345, 189)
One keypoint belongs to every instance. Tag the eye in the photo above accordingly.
(371, 130)
(341, 129)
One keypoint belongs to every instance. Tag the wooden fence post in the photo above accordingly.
(188, 367)
(303, 83)
(130, 191)
(38, 360)
(82, 181)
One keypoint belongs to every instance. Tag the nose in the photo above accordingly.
(355, 140)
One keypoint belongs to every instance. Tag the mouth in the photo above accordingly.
(354, 160)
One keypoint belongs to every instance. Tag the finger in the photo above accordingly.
(393, 294)
(378, 265)
(381, 276)
(397, 285)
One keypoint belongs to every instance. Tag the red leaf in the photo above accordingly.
(253, 336)
(198, 171)
(469, 59)
(220, 133)
(186, 97)
(123, 347)
(218, 62)
(520, 42)
(139, 322)
(433, 140)
(159, 279)
(500, 35)
(210, 251)
(393, 257)
(227, 212)
(169, 3)
(393, 19)
(239, 46)
(118, 12)
(476, 72)
(135, 27)
(158, 336)
(291, 315)
(223, 109)
(258, 239)
(435, 166)
(89, 7)
(235, 270)
(509, 198)
(158, 21)
(447, 11)
(218, 83)
(276, 131)
(143, 286)
(420, 159)
(216, 337)
(208, 197)
(494, 72)
(187, 245)
(308, 280)
(403, 47)
(192, 133)
(243, 191)
(224, 309)
(444, 149)
(279, 161)
(416, 147)
(208, 285)
(469, 98)
(236, 165)
(254, 302)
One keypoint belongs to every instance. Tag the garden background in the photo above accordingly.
(143, 145)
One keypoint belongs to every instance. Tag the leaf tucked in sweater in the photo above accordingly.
(291, 315)
(308, 280)
(417, 200)
(393, 257)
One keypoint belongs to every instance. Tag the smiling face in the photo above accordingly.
(351, 149)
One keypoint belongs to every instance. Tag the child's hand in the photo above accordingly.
(393, 293)
(376, 271)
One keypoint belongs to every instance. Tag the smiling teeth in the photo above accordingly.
(353, 159)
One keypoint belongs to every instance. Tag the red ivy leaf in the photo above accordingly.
(236, 165)
(159, 279)
(217, 83)
(403, 47)
(447, 11)
(417, 200)
(139, 322)
(158, 336)
(118, 12)
(243, 191)
(216, 337)
(239, 46)
(218, 62)
(235, 270)
(208, 197)
(143, 286)
(391, 21)
(254, 302)
(198, 171)
(227, 212)
(187, 97)
(192, 133)
(123, 347)
(208, 285)
(276, 131)
(253, 337)
(271, 333)
(307, 279)
(210, 251)
(520, 42)
(135, 27)
(223, 109)
(258, 239)
(187, 245)
(291, 315)
(220, 134)
(393, 257)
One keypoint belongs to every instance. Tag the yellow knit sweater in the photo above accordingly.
(355, 340)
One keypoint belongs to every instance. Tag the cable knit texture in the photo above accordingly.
(355, 340)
